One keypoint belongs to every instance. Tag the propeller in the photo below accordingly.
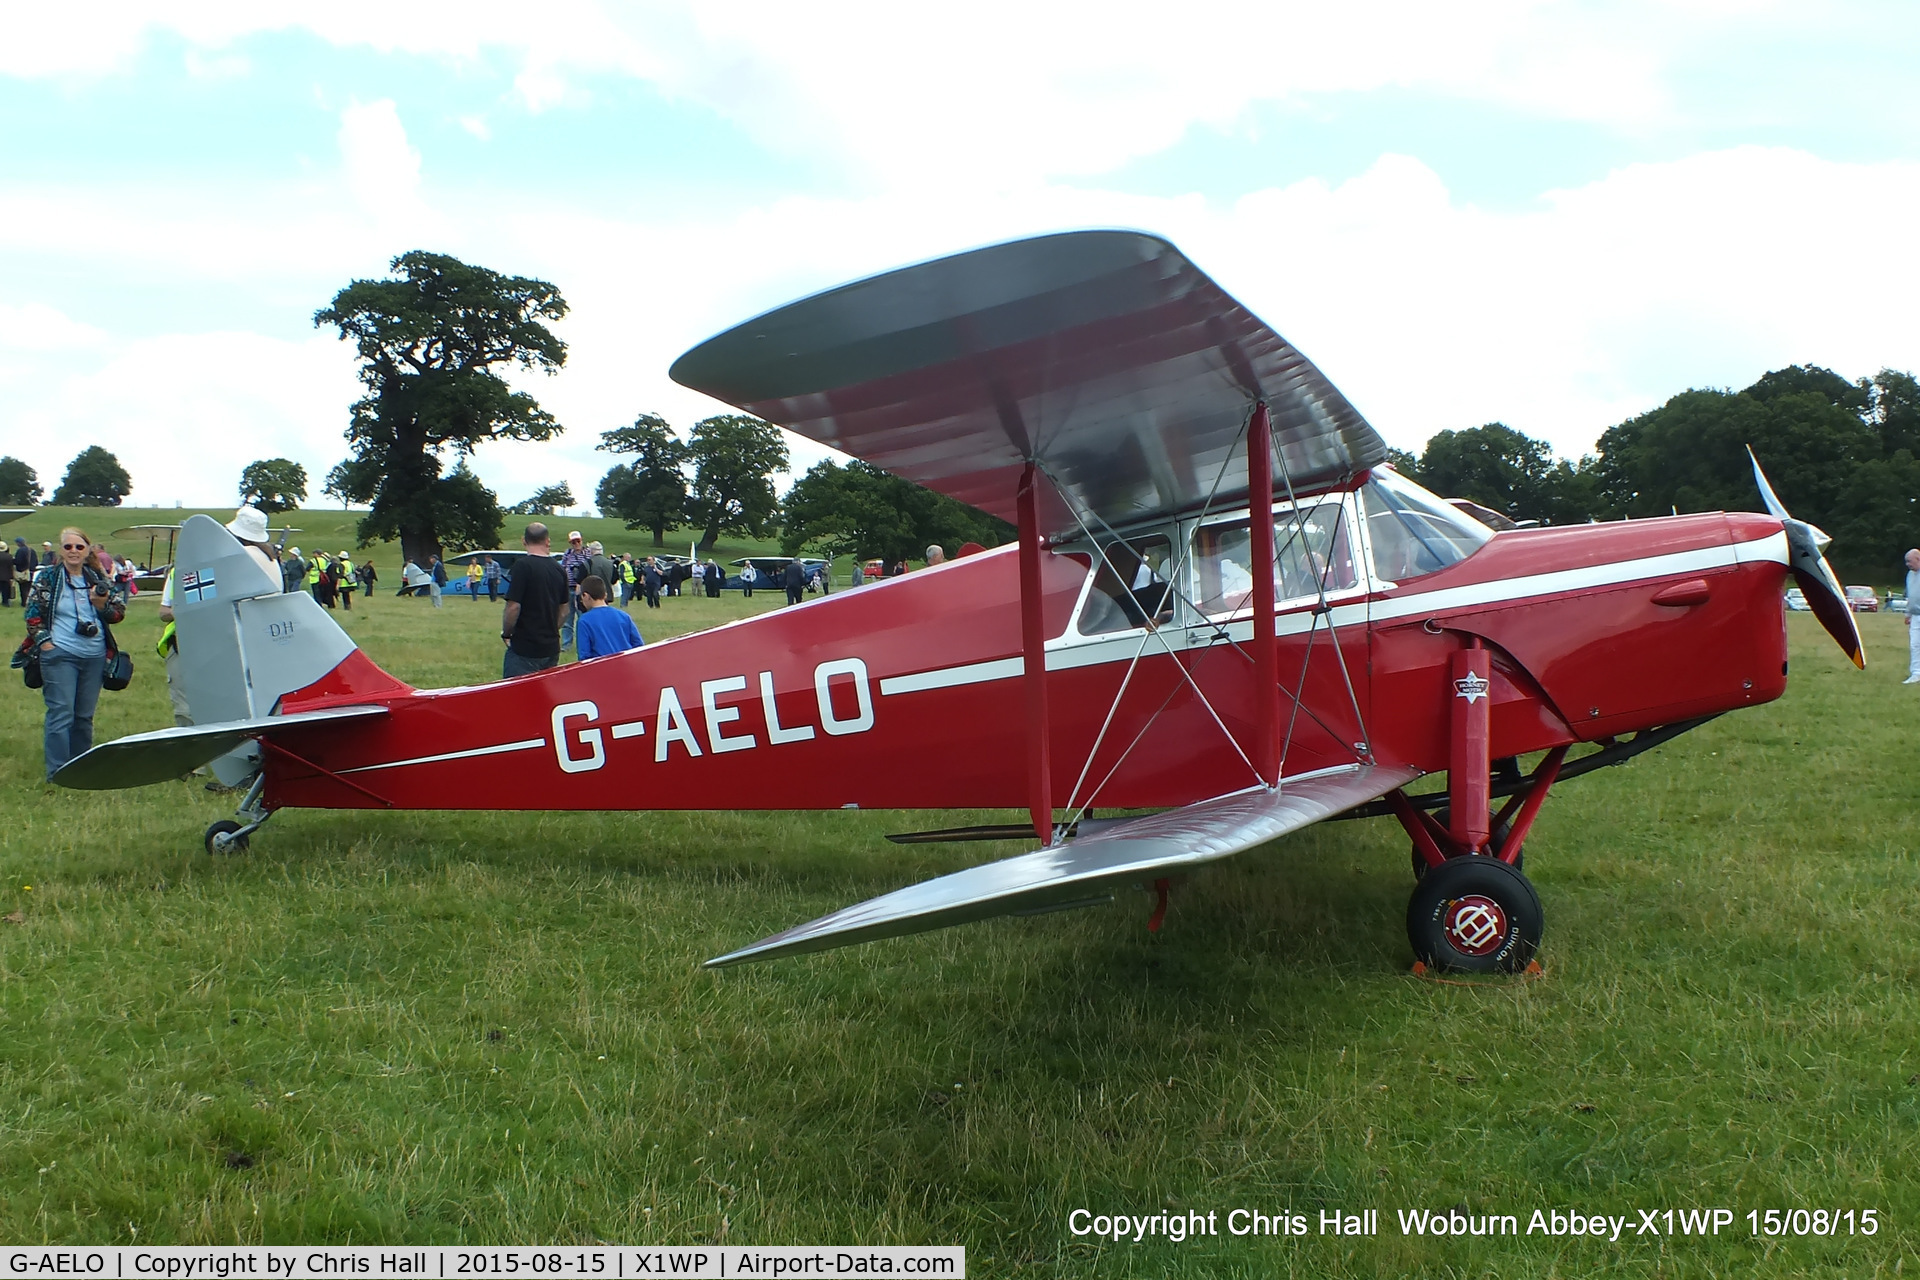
(1805, 545)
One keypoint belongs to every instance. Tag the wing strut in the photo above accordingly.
(1033, 646)
(1266, 656)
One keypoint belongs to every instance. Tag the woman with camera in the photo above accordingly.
(69, 608)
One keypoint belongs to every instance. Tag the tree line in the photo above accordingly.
(437, 336)
(434, 340)
(1839, 454)
(94, 478)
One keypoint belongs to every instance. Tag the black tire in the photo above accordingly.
(1475, 915)
(225, 827)
(1444, 816)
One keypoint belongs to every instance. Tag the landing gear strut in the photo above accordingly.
(1473, 909)
(230, 836)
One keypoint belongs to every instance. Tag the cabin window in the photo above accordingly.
(1413, 533)
(1130, 587)
(1312, 553)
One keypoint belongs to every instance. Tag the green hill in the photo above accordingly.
(334, 531)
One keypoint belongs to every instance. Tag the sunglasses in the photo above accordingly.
(73, 546)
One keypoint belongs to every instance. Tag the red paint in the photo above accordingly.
(1469, 783)
(1161, 889)
(1681, 594)
(788, 711)
(1420, 828)
(1033, 639)
(1535, 795)
(1266, 677)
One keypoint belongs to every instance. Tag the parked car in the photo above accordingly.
(1862, 600)
(1895, 603)
(1797, 600)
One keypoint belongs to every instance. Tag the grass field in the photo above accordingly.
(466, 1027)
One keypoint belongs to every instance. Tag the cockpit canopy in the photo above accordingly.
(1412, 533)
(1385, 532)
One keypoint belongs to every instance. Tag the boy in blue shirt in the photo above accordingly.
(600, 630)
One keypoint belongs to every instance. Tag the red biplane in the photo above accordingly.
(1222, 606)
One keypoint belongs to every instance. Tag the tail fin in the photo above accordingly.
(245, 644)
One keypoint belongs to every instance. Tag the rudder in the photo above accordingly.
(244, 644)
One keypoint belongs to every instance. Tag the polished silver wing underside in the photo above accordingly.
(1105, 356)
(142, 758)
(1082, 870)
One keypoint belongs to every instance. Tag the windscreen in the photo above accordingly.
(1413, 533)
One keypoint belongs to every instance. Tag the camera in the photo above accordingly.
(87, 627)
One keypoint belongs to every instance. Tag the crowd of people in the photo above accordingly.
(331, 580)
(73, 593)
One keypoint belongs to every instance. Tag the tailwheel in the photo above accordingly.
(226, 836)
(1475, 915)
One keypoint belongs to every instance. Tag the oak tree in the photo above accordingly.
(649, 492)
(94, 478)
(19, 483)
(273, 484)
(734, 461)
(434, 341)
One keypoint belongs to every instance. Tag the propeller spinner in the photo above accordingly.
(1805, 545)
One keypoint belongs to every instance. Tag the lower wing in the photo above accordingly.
(1082, 870)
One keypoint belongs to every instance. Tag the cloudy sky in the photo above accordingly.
(1554, 215)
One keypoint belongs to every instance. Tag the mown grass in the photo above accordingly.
(468, 1027)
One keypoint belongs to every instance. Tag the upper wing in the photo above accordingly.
(1080, 871)
(1106, 356)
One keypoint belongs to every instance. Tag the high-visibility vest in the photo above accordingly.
(626, 572)
(313, 573)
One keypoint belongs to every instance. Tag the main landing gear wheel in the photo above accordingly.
(1444, 816)
(1475, 915)
(221, 838)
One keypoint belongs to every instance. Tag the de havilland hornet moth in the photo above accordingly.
(1222, 606)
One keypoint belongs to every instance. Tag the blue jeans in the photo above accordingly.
(72, 690)
(515, 664)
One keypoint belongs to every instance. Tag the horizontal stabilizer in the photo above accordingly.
(1077, 872)
(144, 758)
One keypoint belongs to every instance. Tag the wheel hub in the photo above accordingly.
(1476, 925)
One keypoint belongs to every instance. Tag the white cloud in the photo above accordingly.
(205, 66)
(1562, 319)
(36, 326)
(184, 413)
(1002, 91)
(382, 167)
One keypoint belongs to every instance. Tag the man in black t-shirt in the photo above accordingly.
(536, 592)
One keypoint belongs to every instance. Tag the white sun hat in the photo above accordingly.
(249, 524)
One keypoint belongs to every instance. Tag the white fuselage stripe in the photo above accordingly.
(1073, 651)
(947, 677)
(526, 744)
